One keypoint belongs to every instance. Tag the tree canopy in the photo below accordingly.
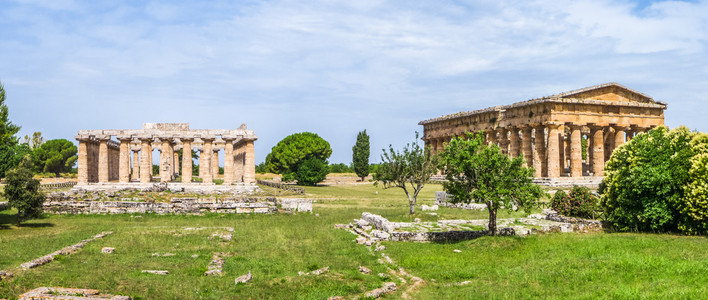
(477, 172)
(22, 191)
(289, 153)
(409, 169)
(55, 156)
(7, 129)
(360, 155)
(658, 182)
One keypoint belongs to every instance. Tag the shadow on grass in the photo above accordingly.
(8, 220)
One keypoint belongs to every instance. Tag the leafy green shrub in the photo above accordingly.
(656, 182)
(339, 168)
(580, 202)
(311, 171)
(286, 157)
(22, 191)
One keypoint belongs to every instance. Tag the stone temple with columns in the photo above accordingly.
(548, 131)
(105, 160)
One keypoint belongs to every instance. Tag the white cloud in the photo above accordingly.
(334, 67)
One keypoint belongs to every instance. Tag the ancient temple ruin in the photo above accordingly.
(103, 160)
(548, 131)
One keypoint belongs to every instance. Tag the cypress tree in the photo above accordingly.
(360, 155)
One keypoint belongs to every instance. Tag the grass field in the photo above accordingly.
(276, 247)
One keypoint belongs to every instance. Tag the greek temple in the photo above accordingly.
(105, 154)
(549, 131)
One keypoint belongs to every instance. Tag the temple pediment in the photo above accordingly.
(607, 92)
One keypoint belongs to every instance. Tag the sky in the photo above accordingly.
(336, 67)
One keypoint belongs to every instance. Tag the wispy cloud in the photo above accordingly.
(335, 67)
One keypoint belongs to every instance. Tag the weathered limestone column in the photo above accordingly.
(175, 163)
(103, 159)
(576, 154)
(145, 160)
(526, 145)
(208, 151)
(609, 142)
(553, 146)
(503, 140)
(201, 162)
(598, 150)
(238, 162)
(229, 161)
(513, 142)
(124, 160)
(165, 158)
(491, 136)
(249, 172)
(619, 134)
(186, 160)
(136, 166)
(561, 149)
(82, 177)
(539, 151)
(215, 164)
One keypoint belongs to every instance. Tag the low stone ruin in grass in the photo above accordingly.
(372, 228)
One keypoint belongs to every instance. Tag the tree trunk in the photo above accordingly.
(492, 221)
(411, 201)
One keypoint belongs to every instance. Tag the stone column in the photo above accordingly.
(491, 136)
(539, 151)
(503, 140)
(238, 162)
(103, 159)
(201, 162)
(186, 160)
(215, 164)
(165, 158)
(229, 161)
(249, 166)
(553, 146)
(136, 166)
(82, 177)
(208, 151)
(145, 160)
(598, 150)
(513, 142)
(619, 135)
(561, 149)
(175, 163)
(526, 145)
(609, 142)
(576, 154)
(124, 160)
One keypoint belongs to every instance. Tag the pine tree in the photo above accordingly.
(360, 155)
(7, 129)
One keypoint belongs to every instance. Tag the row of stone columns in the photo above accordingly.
(549, 150)
(102, 160)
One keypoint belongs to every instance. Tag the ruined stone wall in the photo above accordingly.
(176, 206)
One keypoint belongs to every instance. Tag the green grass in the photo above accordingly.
(275, 247)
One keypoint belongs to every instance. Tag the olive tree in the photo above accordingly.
(409, 169)
(477, 172)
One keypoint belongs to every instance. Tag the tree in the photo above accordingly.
(360, 155)
(7, 129)
(409, 170)
(653, 181)
(311, 172)
(289, 153)
(35, 141)
(11, 156)
(477, 172)
(55, 156)
(22, 191)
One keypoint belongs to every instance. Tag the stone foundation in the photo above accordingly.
(204, 188)
(592, 182)
(175, 206)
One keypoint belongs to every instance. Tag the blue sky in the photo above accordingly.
(336, 67)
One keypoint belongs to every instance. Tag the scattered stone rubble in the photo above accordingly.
(215, 267)
(156, 272)
(65, 251)
(364, 270)
(442, 199)
(108, 250)
(5, 274)
(244, 278)
(315, 272)
(373, 228)
(68, 294)
(388, 287)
